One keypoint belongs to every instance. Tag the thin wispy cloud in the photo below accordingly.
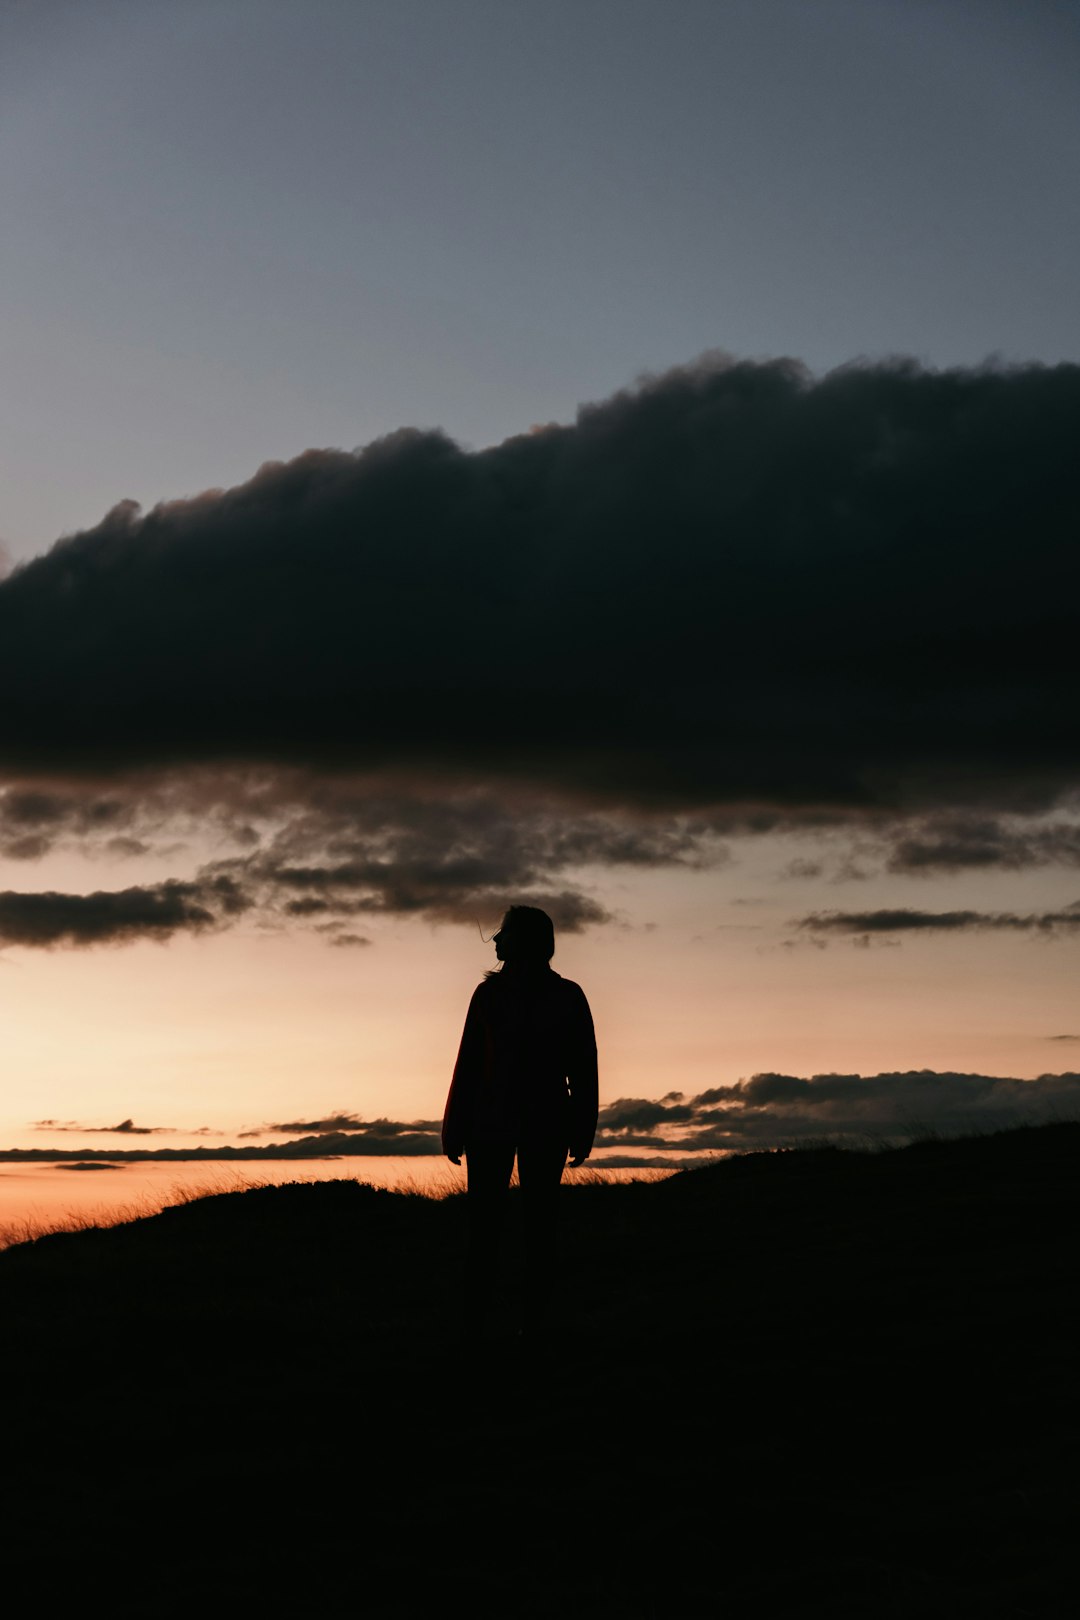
(126, 1127)
(904, 920)
(984, 843)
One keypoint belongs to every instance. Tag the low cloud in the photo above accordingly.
(802, 869)
(775, 1110)
(324, 854)
(984, 843)
(462, 858)
(630, 1115)
(902, 920)
(765, 1112)
(127, 848)
(126, 1127)
(91, 1164)
(34, 819)
(344, 1121)
(118, 917)
(345, 1133)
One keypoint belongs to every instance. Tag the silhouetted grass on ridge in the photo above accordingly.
(811, 1382)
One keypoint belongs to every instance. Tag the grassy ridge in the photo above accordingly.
(811, 1383)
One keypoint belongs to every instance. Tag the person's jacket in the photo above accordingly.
(526, 1068)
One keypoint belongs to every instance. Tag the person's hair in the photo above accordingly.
(528, 938)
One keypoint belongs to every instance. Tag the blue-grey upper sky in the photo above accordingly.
(237, 228)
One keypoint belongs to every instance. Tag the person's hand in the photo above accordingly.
(455, 1158)
(578, 1159)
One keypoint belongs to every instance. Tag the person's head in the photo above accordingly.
(526, 938)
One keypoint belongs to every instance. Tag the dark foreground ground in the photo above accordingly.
(803, 1384)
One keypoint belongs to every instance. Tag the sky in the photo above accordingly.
(610, 456)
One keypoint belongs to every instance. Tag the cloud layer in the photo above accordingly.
(327, 853)
(731, 585)
(767, 1111)
(903, 920)
(983, 843)
(116, 917)
(775, 1110)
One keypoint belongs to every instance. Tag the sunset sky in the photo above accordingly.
(605, 454)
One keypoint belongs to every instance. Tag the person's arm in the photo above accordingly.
(584, 1084)
(467, 1071)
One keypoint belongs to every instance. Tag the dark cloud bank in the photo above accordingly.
(734, 584)
(732, 599)
(767, 1111)
(777, 1110)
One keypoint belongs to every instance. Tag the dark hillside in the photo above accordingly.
(811, 1384)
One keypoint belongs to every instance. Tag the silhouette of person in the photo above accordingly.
(524, 1086)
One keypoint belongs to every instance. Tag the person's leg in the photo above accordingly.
(540, 1168)
(489, 1166)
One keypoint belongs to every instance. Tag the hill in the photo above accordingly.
(807, 1383)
